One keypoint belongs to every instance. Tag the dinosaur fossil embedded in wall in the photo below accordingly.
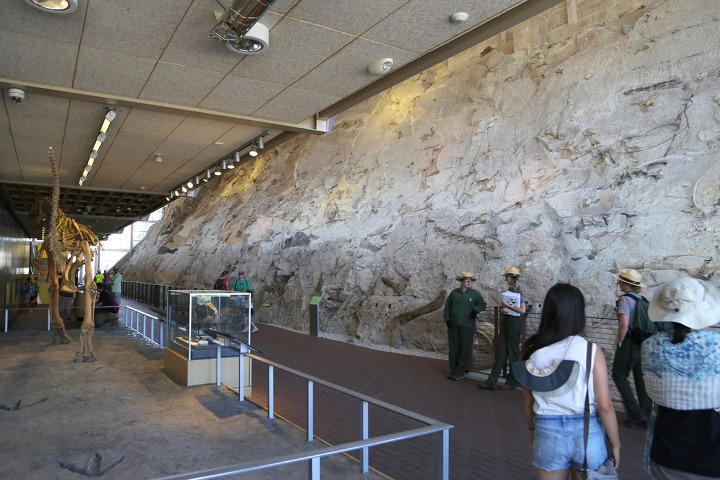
(67, 247)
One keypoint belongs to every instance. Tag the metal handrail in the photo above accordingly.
(313, 458)
(133, 317)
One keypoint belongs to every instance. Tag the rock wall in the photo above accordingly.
(569, 159)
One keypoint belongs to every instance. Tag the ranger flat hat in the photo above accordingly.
(464, 276)
(511, 272)
(629, 276)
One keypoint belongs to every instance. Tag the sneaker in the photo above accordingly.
(254, 329)
(486, 385)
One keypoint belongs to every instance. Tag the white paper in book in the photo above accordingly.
(514, 299)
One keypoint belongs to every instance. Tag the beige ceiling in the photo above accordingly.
(184, 95)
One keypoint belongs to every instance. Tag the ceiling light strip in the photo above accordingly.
(102, 136)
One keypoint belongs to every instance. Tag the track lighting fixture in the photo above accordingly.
(253, 151)
(102, 136)
(208, 176)
(217, 171)
(189, 184)
(261, 142)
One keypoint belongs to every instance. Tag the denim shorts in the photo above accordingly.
(559, 442)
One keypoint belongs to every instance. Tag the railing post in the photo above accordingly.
(241, 386)
(444, 455)
(314, 464)
(271, 391)
(6, 319)
(310, 411)
(48, 319)
(365, 460)
(218, 366)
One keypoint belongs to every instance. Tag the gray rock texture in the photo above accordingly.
(568, 159)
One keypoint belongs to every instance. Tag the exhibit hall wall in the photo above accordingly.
(15, 260)
(569, 152)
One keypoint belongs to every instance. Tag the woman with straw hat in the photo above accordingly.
(682, 375)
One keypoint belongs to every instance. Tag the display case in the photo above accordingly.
(192, 315)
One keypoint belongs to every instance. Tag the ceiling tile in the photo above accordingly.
(349, 16)
(48, 66)
(420, 25)
(191, 46)
(282, 6)
(295, 48)
(295, 105)
(178, 84)
(19, 17)
(140, 120)
(347, 71)
(240, 95)
(142, 30)
(110, 72)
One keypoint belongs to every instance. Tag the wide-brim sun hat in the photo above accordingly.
(630, 276)
(688, 301)
(465, 276)
(511, 272)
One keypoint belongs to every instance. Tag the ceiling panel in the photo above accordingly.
(177, 92)
(346, 15)
(112, 72)
(296, 48)
(180, 85)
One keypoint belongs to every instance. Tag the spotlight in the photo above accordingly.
(223, 164)
(197, 180)
(208, 176)
(217, 171)
(237, 157)
(253, 151)
(261, 142)
(184, 190)
(189, 184)
(381, 67)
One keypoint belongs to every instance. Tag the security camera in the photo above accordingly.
(16, 95)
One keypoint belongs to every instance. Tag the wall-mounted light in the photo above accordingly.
(381, 66)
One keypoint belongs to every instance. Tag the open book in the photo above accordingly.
(514, 299)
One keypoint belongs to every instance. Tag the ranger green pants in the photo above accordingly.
(627, 359)
(508, 348)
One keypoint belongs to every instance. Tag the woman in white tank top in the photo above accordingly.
(554, 411)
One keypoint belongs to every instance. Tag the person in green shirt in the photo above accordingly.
(242, 285)
(461, 310)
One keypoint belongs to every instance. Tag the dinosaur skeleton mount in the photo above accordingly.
(67, 246)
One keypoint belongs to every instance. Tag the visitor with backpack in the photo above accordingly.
(630, 307)
(242, 285)
(222, 282)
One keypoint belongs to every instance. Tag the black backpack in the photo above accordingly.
(644, 328)
(219, 284)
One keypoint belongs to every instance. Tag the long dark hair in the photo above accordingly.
(680, 331)
(563, 315)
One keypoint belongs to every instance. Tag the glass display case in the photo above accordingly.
(192, 314)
